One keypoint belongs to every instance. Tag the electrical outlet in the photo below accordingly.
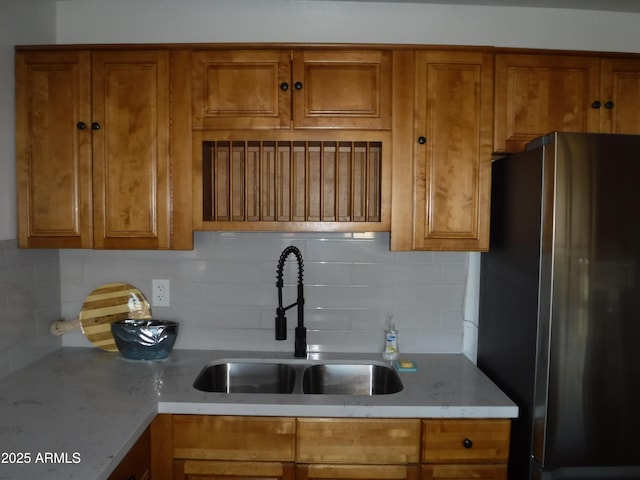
(161, 294)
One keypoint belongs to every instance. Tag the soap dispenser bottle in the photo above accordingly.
(390, 350)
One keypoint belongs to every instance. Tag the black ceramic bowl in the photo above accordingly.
(144, 339)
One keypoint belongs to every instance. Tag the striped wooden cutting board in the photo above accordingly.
(109, 303)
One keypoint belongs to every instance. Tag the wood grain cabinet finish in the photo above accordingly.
(200, 447)
(442, 167)
(461, 449)
(93, 163)
(53, 149)
(540, 93)
(284, 89)
(271, 182)
(136, 465)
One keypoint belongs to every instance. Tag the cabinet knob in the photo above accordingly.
(467, 443)
(597, 104)
(95, 126)
(609, 105)
(81, 125)
(297, 85)
(284, 86)
(422, 140)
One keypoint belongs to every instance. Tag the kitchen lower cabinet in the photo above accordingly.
(459, 449)
(207, 447)
(136, 464)
(240, 470)
(347, 472)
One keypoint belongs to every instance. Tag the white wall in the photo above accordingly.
(113, 21)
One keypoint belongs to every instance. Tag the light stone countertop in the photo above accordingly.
(75, 413)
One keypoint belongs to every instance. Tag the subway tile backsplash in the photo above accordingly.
(29, 303)
(224, 295)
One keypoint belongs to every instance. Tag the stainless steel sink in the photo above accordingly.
(351, 379)
(246, 377)
(298, 377)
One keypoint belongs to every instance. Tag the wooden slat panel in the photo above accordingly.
(299, 181)
(342, 441)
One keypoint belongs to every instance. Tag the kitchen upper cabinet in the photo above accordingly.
(283, 89)
(540, 93)
(620, 94)
(442, 136)
(268, 181)
(93, 161)
(53, 149)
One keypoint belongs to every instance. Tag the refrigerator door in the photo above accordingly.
(587, 381)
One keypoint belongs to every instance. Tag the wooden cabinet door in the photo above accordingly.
(358, 441)
(131, 149)
(452, 169)
(620, 98)
(465, 441)
(222, 470)
(464, 472)
(137, 464)
(241, 89)
(346, 472)
(341, 89)
(538, 94)
(53, 147)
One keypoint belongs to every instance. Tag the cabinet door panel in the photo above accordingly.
(241, 89)
(465, 441)
(131, 149)
(620, 96)
(212, 470)
(538, 94)
(363, 472)
(453, 110)
(233, 438)
(364, 441)
(53, 154)
(342, 89)
(464, 472)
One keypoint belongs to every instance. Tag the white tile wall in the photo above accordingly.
(29, 303)
(223, 292)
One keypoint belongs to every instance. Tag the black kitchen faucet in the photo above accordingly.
(300, 346)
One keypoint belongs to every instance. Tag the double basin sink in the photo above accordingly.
(299, 376)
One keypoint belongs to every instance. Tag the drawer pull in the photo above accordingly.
(467, 443)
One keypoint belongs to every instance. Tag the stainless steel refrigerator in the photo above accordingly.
(559, 326)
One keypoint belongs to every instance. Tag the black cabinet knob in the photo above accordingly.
(609, 105)
(422, 140)
(95, 126)
(297, 85)
(597, 104)
(284, 86)
(81, 125)
(467, 443)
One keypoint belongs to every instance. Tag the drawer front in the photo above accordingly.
(360, 472)
(358, 441)
(464, 472)
(233, 438)
(455, 441)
